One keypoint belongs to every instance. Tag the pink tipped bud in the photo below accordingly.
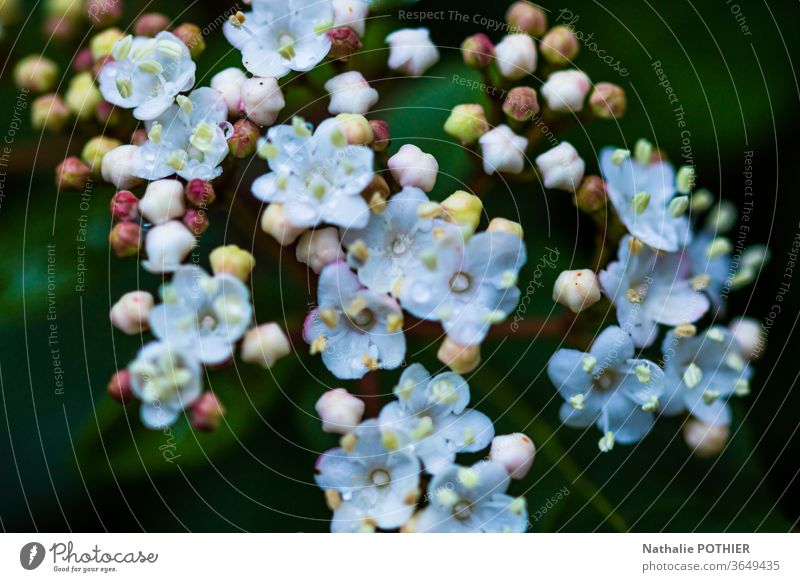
(119, 387)
(344, 43)
(560, 45)
(124, 206)
(192, 37)
(381, 137)
(591, 195)
(339, 411)
(126, 239)
(577, 290)
(242, 143)
(129, 314)
(750, 336)
(608, 101)
(527, 18)
(104, 12)
(49, 113)
(150, 24)
(207, 413)
(265, 345)
(521, 104)
(83, 61)
(59, 28)
(566, 91)
(196, 221)
(515, 452)
(356, 127)
(200, 193)
(458, 357)
(410, 166)
(317, 248)
(705, 440)
(477, 51)
(72, 174)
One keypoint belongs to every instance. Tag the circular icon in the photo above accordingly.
(31, 555)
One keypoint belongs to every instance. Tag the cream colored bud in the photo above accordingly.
(129, 314)
(262, 99)
(463, 209)
(705, 440)
(317, 248)
(36, 73)
(356, 128)
(339, 411)
(83, 96)
(117, 167)
(515, 452)
(577, 290)
(232, 260)
(103, 43)
(505, 225)
(410, 166)
(229, 82)
(167, 246)
(467, 123)
(163, 200)
(264, 345)
(459, 358)
(274, 223)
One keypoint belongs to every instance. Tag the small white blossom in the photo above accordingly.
(516, 56)
(350, 93)
(503, 151)
(167, 246)
(410, 166)
(561, 167)
(411, 51)
(566, 91)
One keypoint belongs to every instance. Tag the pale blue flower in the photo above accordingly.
(166, 378)
(279, 36)
(468, 287)
(608, 387)
(190, 139)
(702, 373)
(397, 240)
(202, 314)
(641, 195)
(147, 74)
(377, 487)
(472, 500)
(317, 177)
(355, 329)
(650, 288)
(430, 417)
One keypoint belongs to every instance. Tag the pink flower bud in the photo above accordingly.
(560, 45)
(49, 113)
(608, 101)
(242, 143)
(265, 345)
(104, 12)
(458, 357)
(59, 28)
(705, 440)
(139, 137)
(274, 223)
(344, 43)
(380, 133)
(339, 411)
(129, 314)
(565, 91)
(521, 104)
(561, 167)
(262, 100)
(229, 83)
(516, 56)
(119, 387)
(196, 221)
(162, 201)
(83, 61)
(200, 193)
(167, 246)
(107, 114)
(126, 239)
(233, 261)
(577, 290)
(477, 51)
(591, 195)
(117, 167)
(317, 248)
(515, 452)
(527, 18)
(150, 24)
(124, 206)
(72, 174)
(192, 37)
(207, 412)
(410, 166)
(750, 336)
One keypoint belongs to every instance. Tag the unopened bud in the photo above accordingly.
(117, 167)
(106, 114)
(192, 37)
(119, 387)
(49, 113)
(722, 217)
(129, 314)
(167, 246)
(124, 206)
(463, 209)
(515, 56)
(262, 100)
(83, 61)
(72, 174)
(339, 411)
(356, 127)
(36, 73)
(526, 17)
(229, 82)
(591, 195)
(150, 24)
(577, 290)
(103, 42)
(232, 260)
(96, 149)
(162, 201)
(242, 143)
(265, 345)
(560, 46)
(200, 193)
(515, 452)
(460, 358)
(103, 12)
(565, 91)
(561, 167)
(207, 412)
(477, 51)
(196, 221)
(377, 194)
(506, 226)
(83, 96)
(275, 224)
(521, 104)
(317, 248)
(380, 131)
(344, 42)
(705, 440)
(410, 166)
(750, 337)
(126, 239)
(350, 93)
(608, 101)
(467, 123)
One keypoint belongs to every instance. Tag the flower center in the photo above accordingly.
(380, 478)
(400, 245)
(605, 381)
(363, 320)
(460, 282)
(461, 510)
(286, 46)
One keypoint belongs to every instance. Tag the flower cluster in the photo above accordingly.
(374, 479)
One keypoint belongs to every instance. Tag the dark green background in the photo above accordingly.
(78, 461)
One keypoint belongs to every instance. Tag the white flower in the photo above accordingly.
(410, 166)
(503, 151)
(163, 200)
(318, 178)
(411, 51)
(355, 329)
(262, 100)
(280, 36)
(229, 83)
(350, 13)
(561, 167)
(265, 345)
(167, 380)
(566, 91)
(167, 246)
(129, 314)
(118, 165)
(339, 411)
(578, 290)
(190, 139)
(396, 240)
(516, 56)
(147, 74)
(203, 314)
(350, 93)
(515, 452)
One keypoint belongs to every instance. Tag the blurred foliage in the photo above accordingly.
(73, 459)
